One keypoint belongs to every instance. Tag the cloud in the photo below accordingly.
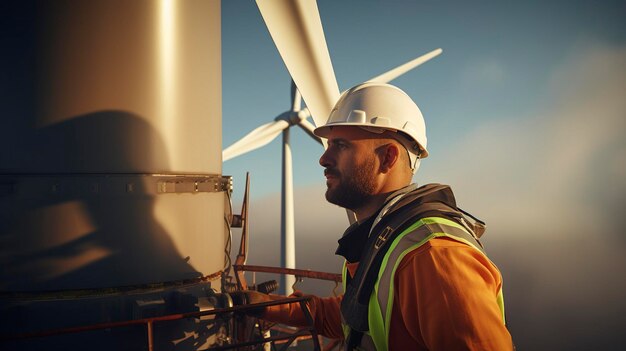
(559, 157)
(489, 71)
(551, 187)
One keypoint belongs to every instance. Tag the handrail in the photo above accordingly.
(149, 321)
(297, 272)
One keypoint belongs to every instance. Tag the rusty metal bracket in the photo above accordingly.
(194, 184)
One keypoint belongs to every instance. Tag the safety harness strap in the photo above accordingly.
(428, 200)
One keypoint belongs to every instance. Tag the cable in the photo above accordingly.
(227, 250)
(226, 277)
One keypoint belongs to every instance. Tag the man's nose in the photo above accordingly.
(325, 160)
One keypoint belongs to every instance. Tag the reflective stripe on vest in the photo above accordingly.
(381, 299)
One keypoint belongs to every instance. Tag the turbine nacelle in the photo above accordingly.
(293, 117)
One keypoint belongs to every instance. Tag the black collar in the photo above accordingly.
(353, 241)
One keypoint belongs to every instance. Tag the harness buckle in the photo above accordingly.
(382, 237)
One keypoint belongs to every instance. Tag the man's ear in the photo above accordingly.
(388, 154)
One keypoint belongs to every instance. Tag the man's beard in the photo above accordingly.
(353, 190)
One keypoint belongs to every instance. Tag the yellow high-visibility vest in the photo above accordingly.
(381, 298)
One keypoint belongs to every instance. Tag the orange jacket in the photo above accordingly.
(444, 299)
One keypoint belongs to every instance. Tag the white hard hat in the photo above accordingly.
(377, 107)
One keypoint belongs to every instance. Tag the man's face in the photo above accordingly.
(351, 167)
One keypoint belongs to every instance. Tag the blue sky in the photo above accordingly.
(526, 119)
(498, 56)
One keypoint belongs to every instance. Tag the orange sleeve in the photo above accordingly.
(324, 310)
(445, 299)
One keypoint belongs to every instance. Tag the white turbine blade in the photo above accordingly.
(296, 29)
(308, 128)
(296, 98)
(402, 69)
(255, 139)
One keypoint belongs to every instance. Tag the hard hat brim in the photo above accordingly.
(324, 131)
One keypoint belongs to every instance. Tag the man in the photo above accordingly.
(415, 275)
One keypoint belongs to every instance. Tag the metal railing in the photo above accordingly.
(308, 331)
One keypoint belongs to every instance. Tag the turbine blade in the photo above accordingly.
(308, 128)
(260, 136)
(402, 69)
(296, 98)
(296, 29)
